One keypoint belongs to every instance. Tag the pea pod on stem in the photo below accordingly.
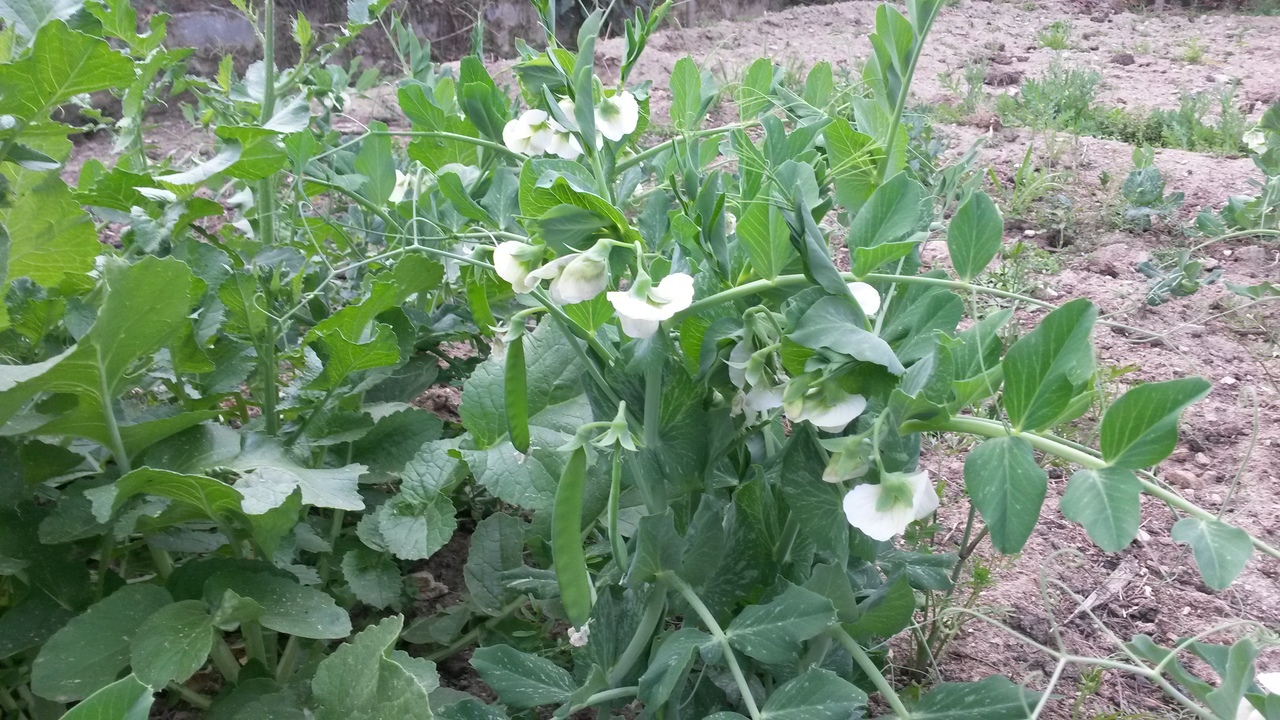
(566, 540)
(515, 390)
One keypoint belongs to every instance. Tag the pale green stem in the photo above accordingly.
(640, 640)
(192, 697)
(604, 696)
(871, 671)
(289, 660)
(713, 627)
(474, 634)
(649, 153)
(653, 407)
(223, 659)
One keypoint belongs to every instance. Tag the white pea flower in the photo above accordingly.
(515, 262)
(868, 298)
(730, 223)
(1256, 141)
(564, 144)
(578, 637)
(617, 116)
(401, 188)
(1270, 684)
(763, 398)
(577, 277)
(643, 306)
(529, 134)
(850, 458)
(829, 409)
(884, 510)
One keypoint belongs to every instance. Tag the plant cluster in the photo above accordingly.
(687, 439)
(1252, 214)
(1143, 192)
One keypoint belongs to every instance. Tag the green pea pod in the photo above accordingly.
(566, 540)
(478, 299)
(517, 394)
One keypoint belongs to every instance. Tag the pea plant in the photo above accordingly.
(695, 377)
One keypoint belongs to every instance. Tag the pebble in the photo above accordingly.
(1028, 233)
(1228, 380)
(1182, 479)
(1202, 459)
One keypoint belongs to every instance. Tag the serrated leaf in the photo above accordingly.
(90, 651)
(287, 607)
(772, 633)
(367, 679)
(497, 545)
(373, 577)
(522, 680)
(816, 695)
(994, 698)
(50, 237)
(124, 699)
(61, 64)
(1008, 488)
(1107, 502)
(269, 475)
(1049, 366)
(172, 644)
(213, 499)
(28, 16)
(1140, 428)
(974, 236)
(1221, 550)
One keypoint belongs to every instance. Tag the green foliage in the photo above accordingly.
(686, 432)
(1056, 35)
(1143, 191)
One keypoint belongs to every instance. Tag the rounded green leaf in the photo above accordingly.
(1106, 503)
(172, 644)
(1221, 550)
(1008, 488)
(1049, 366)
(974, 236)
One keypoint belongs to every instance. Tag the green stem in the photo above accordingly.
(785, 281)
(107, 398)
(653, 406)
(162, 560)
(268, 59)
(270, 369)
(653, 612)
(604, 696)
(896, 121)
(871, 671)
(224, 659)
(1058, 447)
(478, 142)
(191, 696)
(326, 561)
(289, 660)
(615, 495)
(254, 646)
(567, 324)
(713, 627)
(474, 634)
(647, 154)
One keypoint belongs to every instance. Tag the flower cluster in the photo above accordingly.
(536, 132)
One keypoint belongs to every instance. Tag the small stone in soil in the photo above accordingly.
(1181, 478)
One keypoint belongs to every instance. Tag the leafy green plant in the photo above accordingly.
(1143, 192)
(1030, 183)
(1056, 35)
(1257, 214)
(1193, 51)
(1180, 277)
(1062, 97)
(686, 438)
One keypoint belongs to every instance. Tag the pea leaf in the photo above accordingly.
(172, 644)
(367, 679)
(1107, 503)
(1049, 366)
(885, 612)
(287, 607)
(815, 503)
(522, 680)
(974, 236)
(1008, 488)
(757, 86)
(994, 698)
(670, 665)
(816, 695)
(764, 234)
(834, 323)
(90, 651)
(62, 63)
(772, 633)
(854, 159)
(376, 164)
(891, 212)
(1140, 428)
(658, 547)
(686, 95)
(1221, 550)
(126, 699)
